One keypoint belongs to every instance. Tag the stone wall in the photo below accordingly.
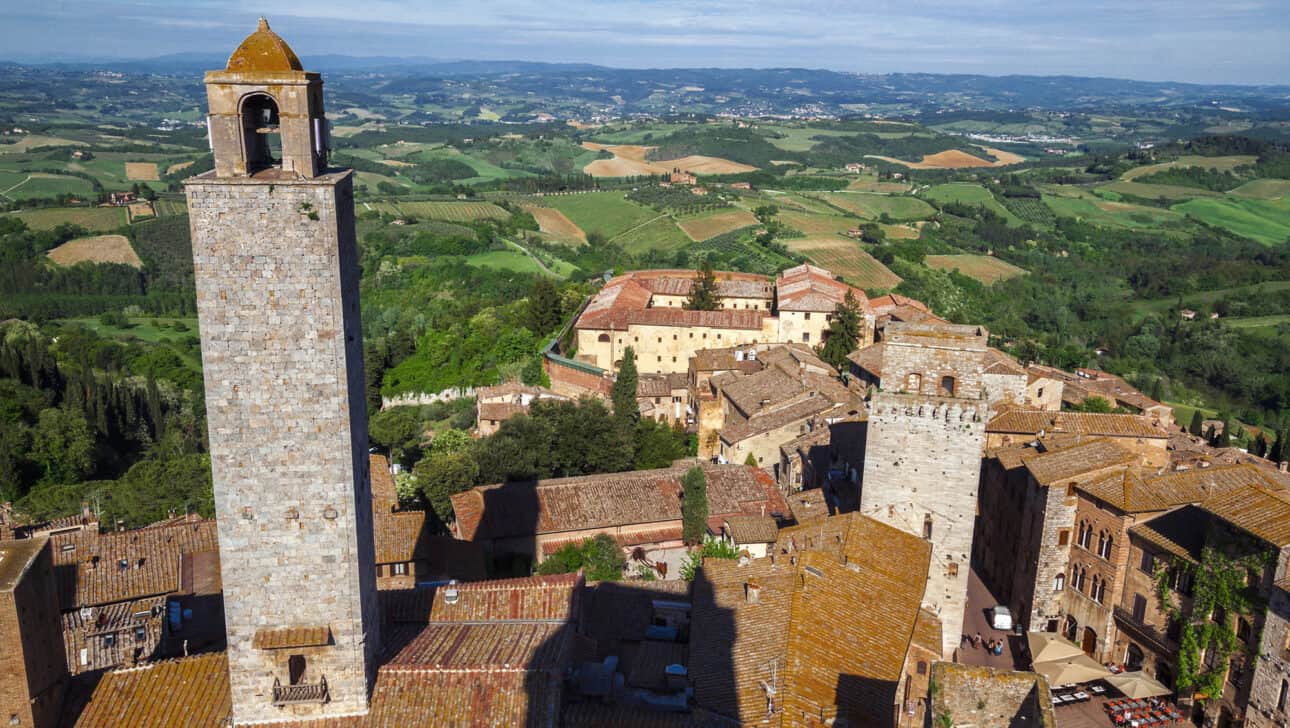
(921, 471)
(987, 698)
(1270, 689)
(1082, 605)
(33, 664)
(277, 296)
(1000, 388)
(664, 349)
(1045, 394)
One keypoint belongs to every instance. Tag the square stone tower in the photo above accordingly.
(923, 452)
(277, 273)
(33, 665)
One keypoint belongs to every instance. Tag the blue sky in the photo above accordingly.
(1245, 41)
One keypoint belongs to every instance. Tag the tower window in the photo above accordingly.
(927, 527)
(296, 669)
(947, 386)
(260, 137)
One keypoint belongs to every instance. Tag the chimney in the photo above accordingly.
(1283, 466)
(752, 591)
(86, 514)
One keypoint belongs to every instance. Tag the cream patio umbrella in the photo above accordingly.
(1048, 646)
(1137, 685)
(1071, 670)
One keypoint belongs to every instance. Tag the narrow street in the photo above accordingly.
(976, 620)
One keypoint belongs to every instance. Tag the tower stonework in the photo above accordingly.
(276, 266)
(923, 453)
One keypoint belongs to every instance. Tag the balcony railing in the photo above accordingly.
(301, 693)
(1154, 638)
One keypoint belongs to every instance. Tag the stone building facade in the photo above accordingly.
(277, 273)
(923, 453)
(33, 668)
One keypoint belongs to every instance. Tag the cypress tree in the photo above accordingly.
(623, 393)
(703, 295)
(694, 505)
(1197, 423)
(1223, 438)
(843, 334)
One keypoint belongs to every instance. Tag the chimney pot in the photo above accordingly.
(752, 590)
(1283, 466)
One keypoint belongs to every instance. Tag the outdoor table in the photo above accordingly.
(1097, 689)
(1081, 696)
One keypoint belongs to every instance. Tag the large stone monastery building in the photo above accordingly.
(645, 310)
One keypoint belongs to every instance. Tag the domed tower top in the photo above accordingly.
(266, 112)
(263, 51)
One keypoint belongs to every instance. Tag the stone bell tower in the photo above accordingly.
(277, 275)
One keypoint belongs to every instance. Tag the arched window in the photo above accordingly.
(261, 140)
(1072, 628)
(1059, 582)
(947, 386)
(603, 338)
(1133, 657)
(1092, 592)
(1104, 548)
(913, 382)
(1101, 592)
(296, 669)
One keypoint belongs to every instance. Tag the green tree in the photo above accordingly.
(450, 441)
(544, 307)
(63, 446)
(694, 505)
(704, 295)
(844, 333)
(623, 393)
(442, 475)
(1094, 404)
(1197, 425)
(601, 558)
(1223, 437)
(657, 445)
(399, 430)
(751, 460)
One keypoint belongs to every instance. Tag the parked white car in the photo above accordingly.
(1001, 618)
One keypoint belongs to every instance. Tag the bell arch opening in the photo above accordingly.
(262, 140)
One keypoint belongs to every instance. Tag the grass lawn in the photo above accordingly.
(872, 206)
(1267, 221)
(1153, 191)
(967, 193)
(658, 234)
(143, 329)
(607, 213)
(43, 184)
(709, 225)
(511, 259)
(96, 219)
(818, 224)
(1221, 164)
(985, 268)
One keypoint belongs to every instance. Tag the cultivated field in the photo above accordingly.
(817, 225)
(97, 249)
(709, 226)
(659, 234)
(453, 211)
(629, 161)
(32, 141)
(873, 206)
(1105, 212)
(847, 259)
(1154, 191)
(882, 188)
(902, 232)
(1263, 189)
(984, 268)
(968, 193)
(949, 159)
(178, 167)
(1222, 164)
(554, 223)
(607, 213)
(90, 218)
(1267, 221)
(142, 171)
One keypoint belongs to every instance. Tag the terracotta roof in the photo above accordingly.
(774, 386)
(1077, 461)
(869, 358)
(618, 612)
(500, 411)
(764, 422)
(1018, 420)
(619, 715)
(190, 692)
(1179, 532)
(603, 501)
(927, 631)
(807, 505)
(808, 288)
(997, 362)
(626, 540)
(751, 529)
(726, 359)
(263, 51)
(1011, 458)
(509, 390)
(84, 632)
(527, 599)
(653, 385)
(288, 637)
(1257, 509)
(850, 669)
(625, 300)
(484, 697)
(88, 565)
(1136, 493)
(385, 496)
(955, 336)
(895, 299)
(463, 646)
